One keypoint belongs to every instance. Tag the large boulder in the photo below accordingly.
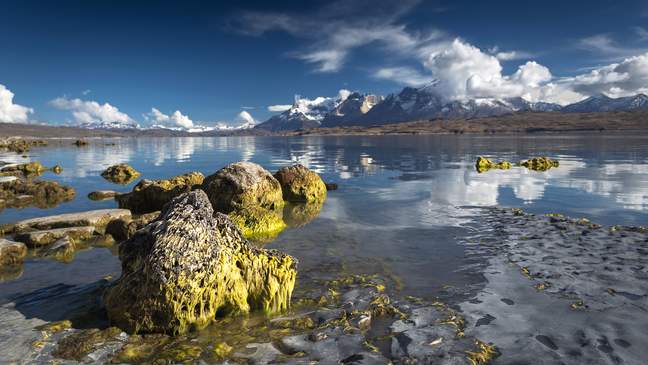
(151, 195)
(251, 196)
(122, 173)
(299, 184)
(190, 265)
(243, 185)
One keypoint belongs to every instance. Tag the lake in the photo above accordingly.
(402, 207)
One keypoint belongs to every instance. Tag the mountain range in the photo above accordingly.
(415, 104)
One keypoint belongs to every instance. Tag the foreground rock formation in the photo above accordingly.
(120, 174)
(250, 195)
(299, 184)
(151, 195)
(190, 265)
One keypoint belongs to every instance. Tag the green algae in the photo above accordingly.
(299, 184)
(258, 224)
(484, 164)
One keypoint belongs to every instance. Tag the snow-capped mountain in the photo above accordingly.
(109, 125)
(304, 113)
(604, 103)
(351, 109)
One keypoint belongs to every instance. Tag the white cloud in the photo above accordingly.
(245, 118)
(403, 75)
(175, 120)
(642, 33)
(279, 108)
(91, 112)
(10, 112)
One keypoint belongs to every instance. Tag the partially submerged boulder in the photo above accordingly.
(11, 253)
(102, 195)
(540, 163)
(484, 164)
(122, 173)
(42, 193)
(57, 169)
(250, 195)
(48, 236)
(299, 184)
(80, 143)
(190, 265)
(151, 195)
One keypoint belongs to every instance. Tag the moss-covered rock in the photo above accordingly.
(29, 168)
(299, 184)
(484, 164)
(540, 163)
(20, 193)
(190, 265)
(57, 169)
(122, 173)
(20, 145)
(151, 195)
(12, 253)
(258, 224)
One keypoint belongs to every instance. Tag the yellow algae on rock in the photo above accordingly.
(484, 164)
(299, 184)
(151, 195)
(540, 163)
(121, 173)
(189, 266)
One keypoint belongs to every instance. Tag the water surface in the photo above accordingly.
(403, 206)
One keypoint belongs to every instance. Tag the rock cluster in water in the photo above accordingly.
(18, 188)
(120, 174)
(540, 163)
(151, 195)
(190, 265)
(20, 145)
(484, 164)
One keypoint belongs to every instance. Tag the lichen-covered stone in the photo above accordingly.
(96, 218)
(20, 193)
(29, 168)
(12, 253)
(151, 195)
(299, 184)
(190, 265)
(259, 224)
(484, 164)
(121, 173)
(540, 163)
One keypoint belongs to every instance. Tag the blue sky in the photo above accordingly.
(210, 62)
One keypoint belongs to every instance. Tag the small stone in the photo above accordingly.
(12, 253)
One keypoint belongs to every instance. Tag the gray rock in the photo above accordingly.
(47, 236)
(97, 218)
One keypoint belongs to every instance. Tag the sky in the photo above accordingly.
(188, 63)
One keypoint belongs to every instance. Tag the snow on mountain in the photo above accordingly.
(109, 125)
(351, 109)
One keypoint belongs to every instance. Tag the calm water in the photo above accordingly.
(403, 203)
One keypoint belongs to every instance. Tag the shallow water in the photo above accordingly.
(402, 205)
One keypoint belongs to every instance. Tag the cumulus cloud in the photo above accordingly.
(91, 111)
(175, 120)
(279, 108)
(245, 118)
(10, 112)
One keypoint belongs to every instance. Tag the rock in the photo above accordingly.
(57, 169)
(120, 174)
(47, 236)
(540, 163)
(21, 145)
(299, 184)
(191, 264)
(7, 179)
(251, 195)
(29, 168)
(96, 218)
(151, 195)
(79, 345)
(331, 186)
(43, 193)
(243, 185)
(102, 195)
(12, 253)
(80, 142)
(63, 249)
(125, 228)
(483, 164)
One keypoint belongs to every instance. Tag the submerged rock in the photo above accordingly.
(299, 214)
(540, 163)
(96, 218)
(250, 195)
(189, 265)
(11, 253)
(299, 184)
(151, 195)
(18, 193)
(47, 236)
(483, 164)
(122, 173)
(102, 195)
